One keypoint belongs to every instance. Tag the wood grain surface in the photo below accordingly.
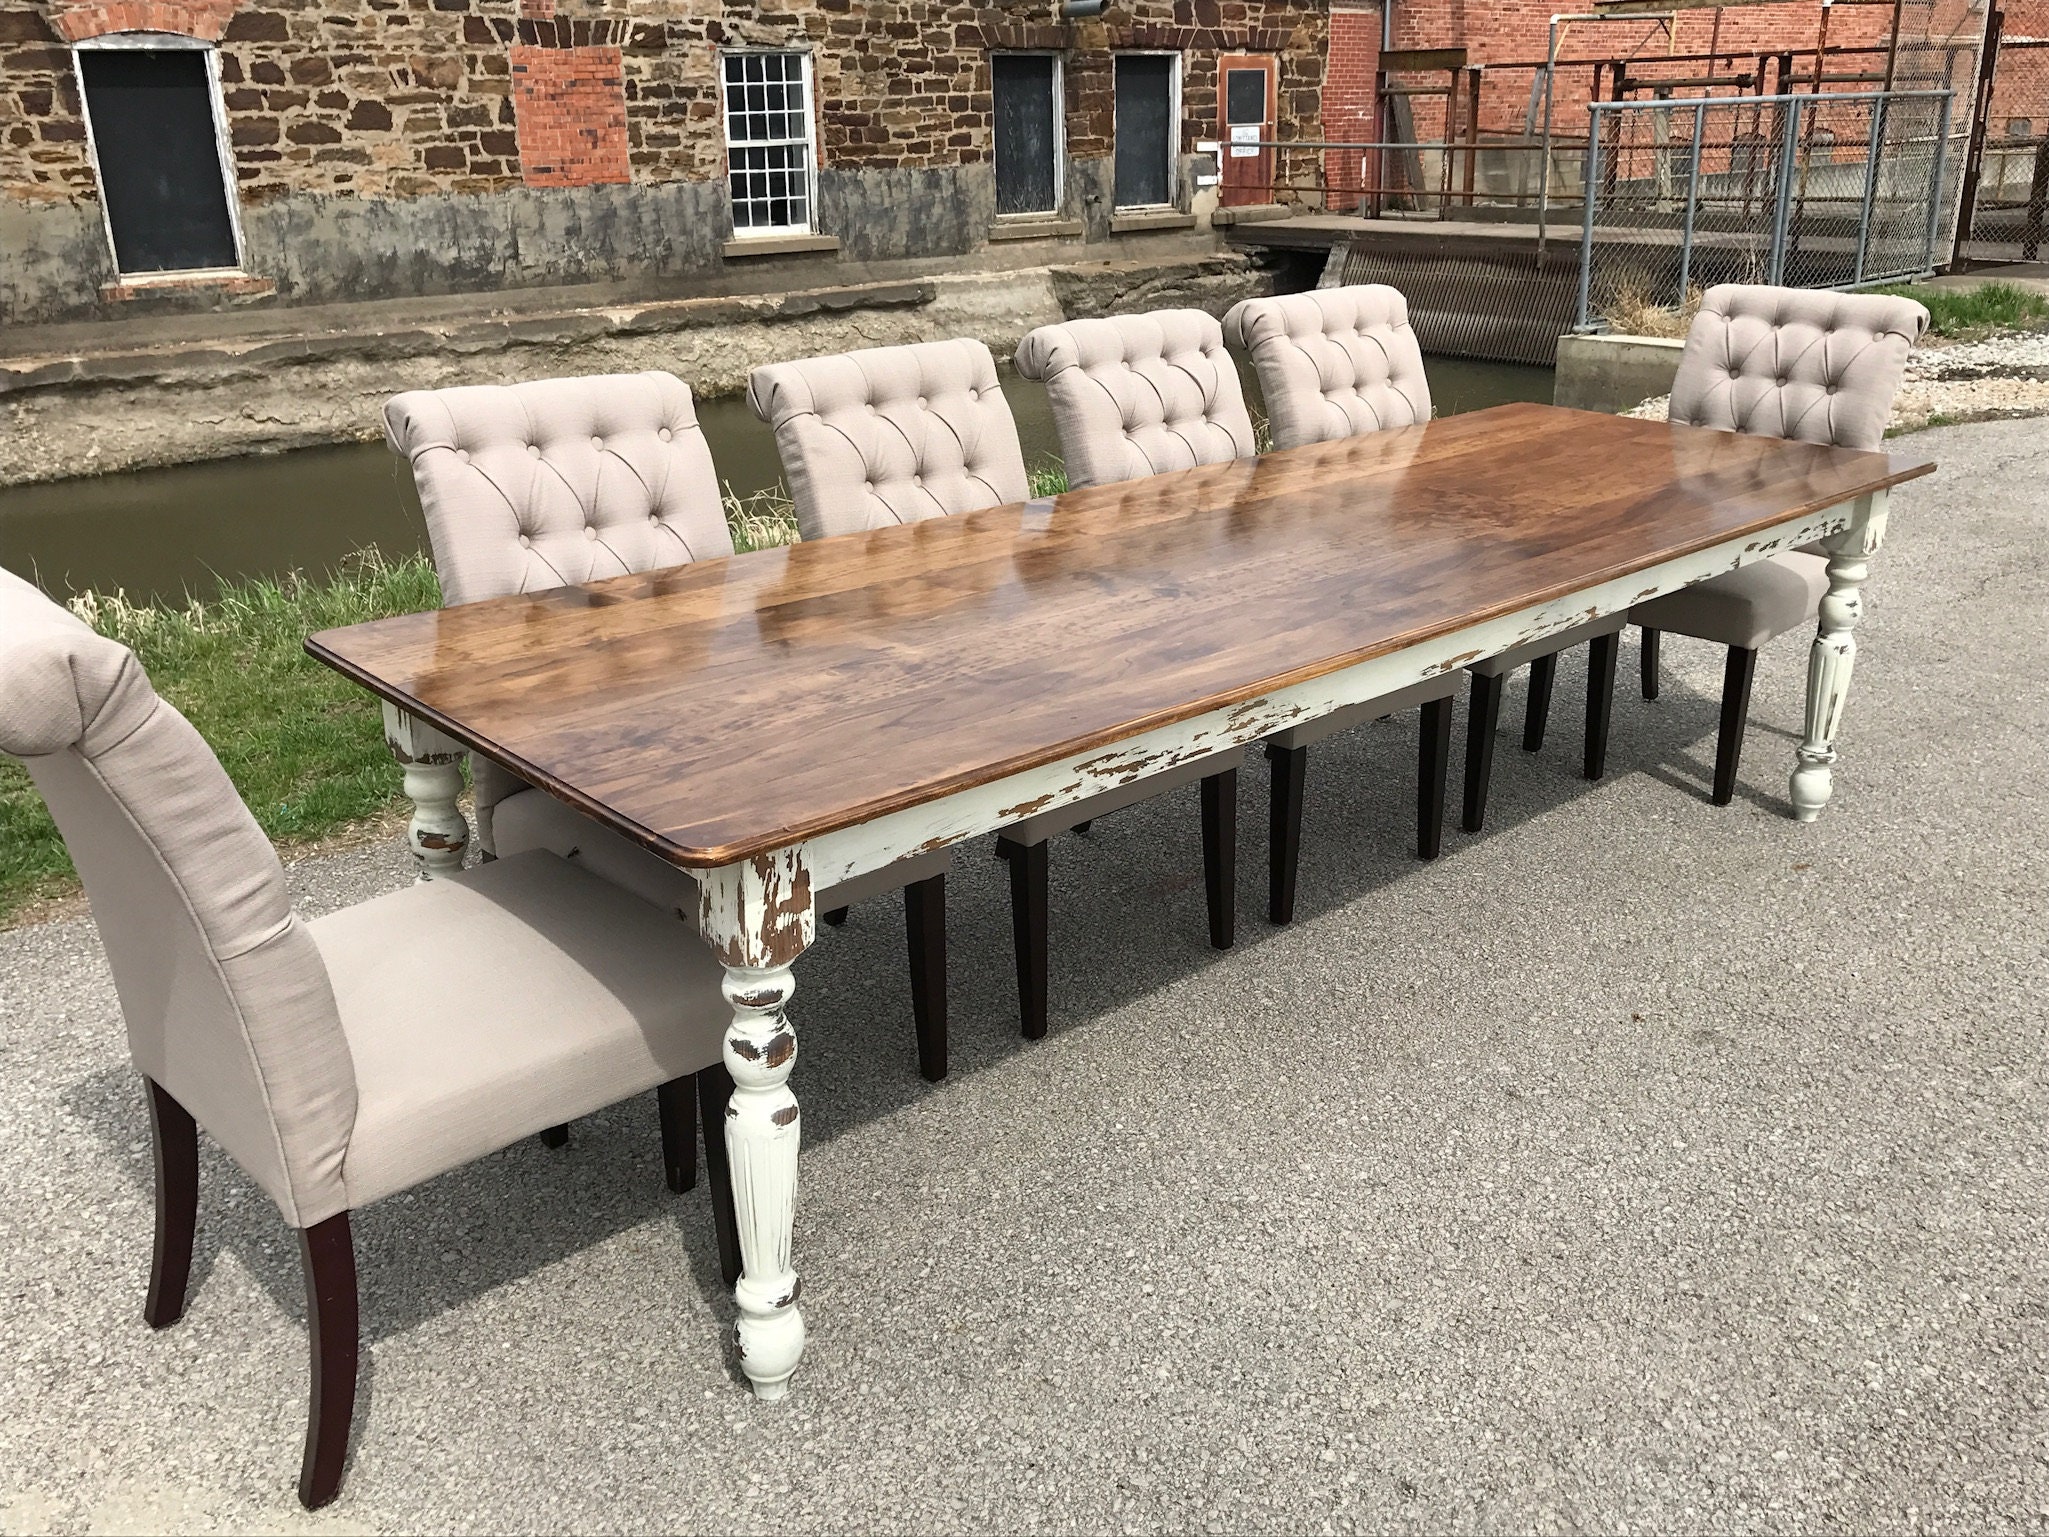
(718, 710)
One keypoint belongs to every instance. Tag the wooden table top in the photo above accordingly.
(723, 709)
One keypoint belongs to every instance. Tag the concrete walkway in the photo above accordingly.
(1640, 1165)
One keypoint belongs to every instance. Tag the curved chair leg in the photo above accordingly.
(1220, 856)
(1290, 766)
(1433, 772)
(714, 1088)
(1602, 653)
(1736, 675)
(1028, 887)
(1483, 724)
(925, 932)
(1537, 715)
(1647, 660)
(677, 1102)
(330, 1262)
(174, 1138)
(555, 1136)
(837, 917)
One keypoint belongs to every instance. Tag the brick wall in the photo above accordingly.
(570, 104)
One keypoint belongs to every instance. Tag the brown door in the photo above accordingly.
(1246, 90)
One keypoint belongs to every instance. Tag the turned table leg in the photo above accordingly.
(1834, 654)
(758, 918)
(437, 834)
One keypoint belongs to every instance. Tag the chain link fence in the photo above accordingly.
(2010, 204)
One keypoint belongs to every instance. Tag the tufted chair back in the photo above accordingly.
(891, 435)
(1796, 363)
(1333, 362)
(539, 485)
(227, 1000)
(1138, 395)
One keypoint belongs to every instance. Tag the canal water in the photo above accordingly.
(160, 535)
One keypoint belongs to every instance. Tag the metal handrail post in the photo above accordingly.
(1941, 164)
(1878, 116)
(1586, 227)
(1789, 149)
(1692, 203)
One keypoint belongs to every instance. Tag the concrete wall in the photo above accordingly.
(1614, 373)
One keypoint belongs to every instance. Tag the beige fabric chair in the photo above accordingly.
(1337, 361)
(891, 435)
(342, 1060)
(1817, 367)
(1137, 395)
(532, 486)
(900, 434)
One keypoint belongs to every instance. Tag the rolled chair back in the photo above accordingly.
(1137, 395)
(891, 435)
(1807, 364)
(226, 998)
(556, 481)
(1333, 362)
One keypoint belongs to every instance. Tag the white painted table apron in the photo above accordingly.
(758, 916)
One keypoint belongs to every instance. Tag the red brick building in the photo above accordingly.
(281, 151)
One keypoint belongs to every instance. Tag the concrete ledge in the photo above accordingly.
(1256, 213)
(778, 245)
(1614, 373)
(1034, 229)
(1138, 223)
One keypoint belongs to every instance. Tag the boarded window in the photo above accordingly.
(1027, 132)
(159, 158)
(1145, 129)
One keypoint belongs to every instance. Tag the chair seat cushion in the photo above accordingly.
(487, 1006)
(1416, 695)
(1745, 607)
(1550, 645)
(534, 819)
(1050, 824)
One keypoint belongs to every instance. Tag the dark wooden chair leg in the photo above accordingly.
(1082, 827)
(1602, 653)
(555, 1136)
(714, 1089)
(1290, 774)
(1028, 886)
(1647, 660)
(1220, 856)
(330, 1262)
(1433, 776)
(678, 1104)
(1736, 675)
(925, 929)
(1537, 716)
(837, 917)
(174, 1138)
(1483, 724)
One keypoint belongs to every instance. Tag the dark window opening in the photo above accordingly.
(1145, 129)
(1027, 132)
(159, 157)
(1245, 96)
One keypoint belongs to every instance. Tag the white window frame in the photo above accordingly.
(1059, 129)
(163, 42)
(809, 141)
(1173, 121)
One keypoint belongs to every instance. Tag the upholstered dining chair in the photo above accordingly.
(1335, 363)
(531, 486)
(346, 1059)
(1815, 366)
(899, 434)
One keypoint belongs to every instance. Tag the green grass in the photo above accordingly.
(1966, 314)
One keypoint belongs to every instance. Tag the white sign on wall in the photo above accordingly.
(1244, 141)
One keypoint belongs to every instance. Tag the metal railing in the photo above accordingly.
(1833, 190)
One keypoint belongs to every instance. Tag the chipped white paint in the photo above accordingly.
(1834, 654)
(437, 834)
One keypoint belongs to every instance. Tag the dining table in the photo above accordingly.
(780, 721)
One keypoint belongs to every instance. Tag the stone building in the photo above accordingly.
(211, 152)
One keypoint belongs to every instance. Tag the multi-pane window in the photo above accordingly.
(770, 163)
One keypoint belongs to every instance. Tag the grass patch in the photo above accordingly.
(1969, 314)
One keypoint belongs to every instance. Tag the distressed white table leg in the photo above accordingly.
(1834, 655)
(437, 834)
(758, 919)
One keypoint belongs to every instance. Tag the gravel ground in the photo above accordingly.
(1640, 1165)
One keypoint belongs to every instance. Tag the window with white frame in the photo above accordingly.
(1148, 123)
(1025, 91)
(771, 155)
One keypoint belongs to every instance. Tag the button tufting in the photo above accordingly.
(922, 402)
(533, 450)
(525, 543)
(463, 454)
(665, 434)
(597, 442)
(589, 532)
